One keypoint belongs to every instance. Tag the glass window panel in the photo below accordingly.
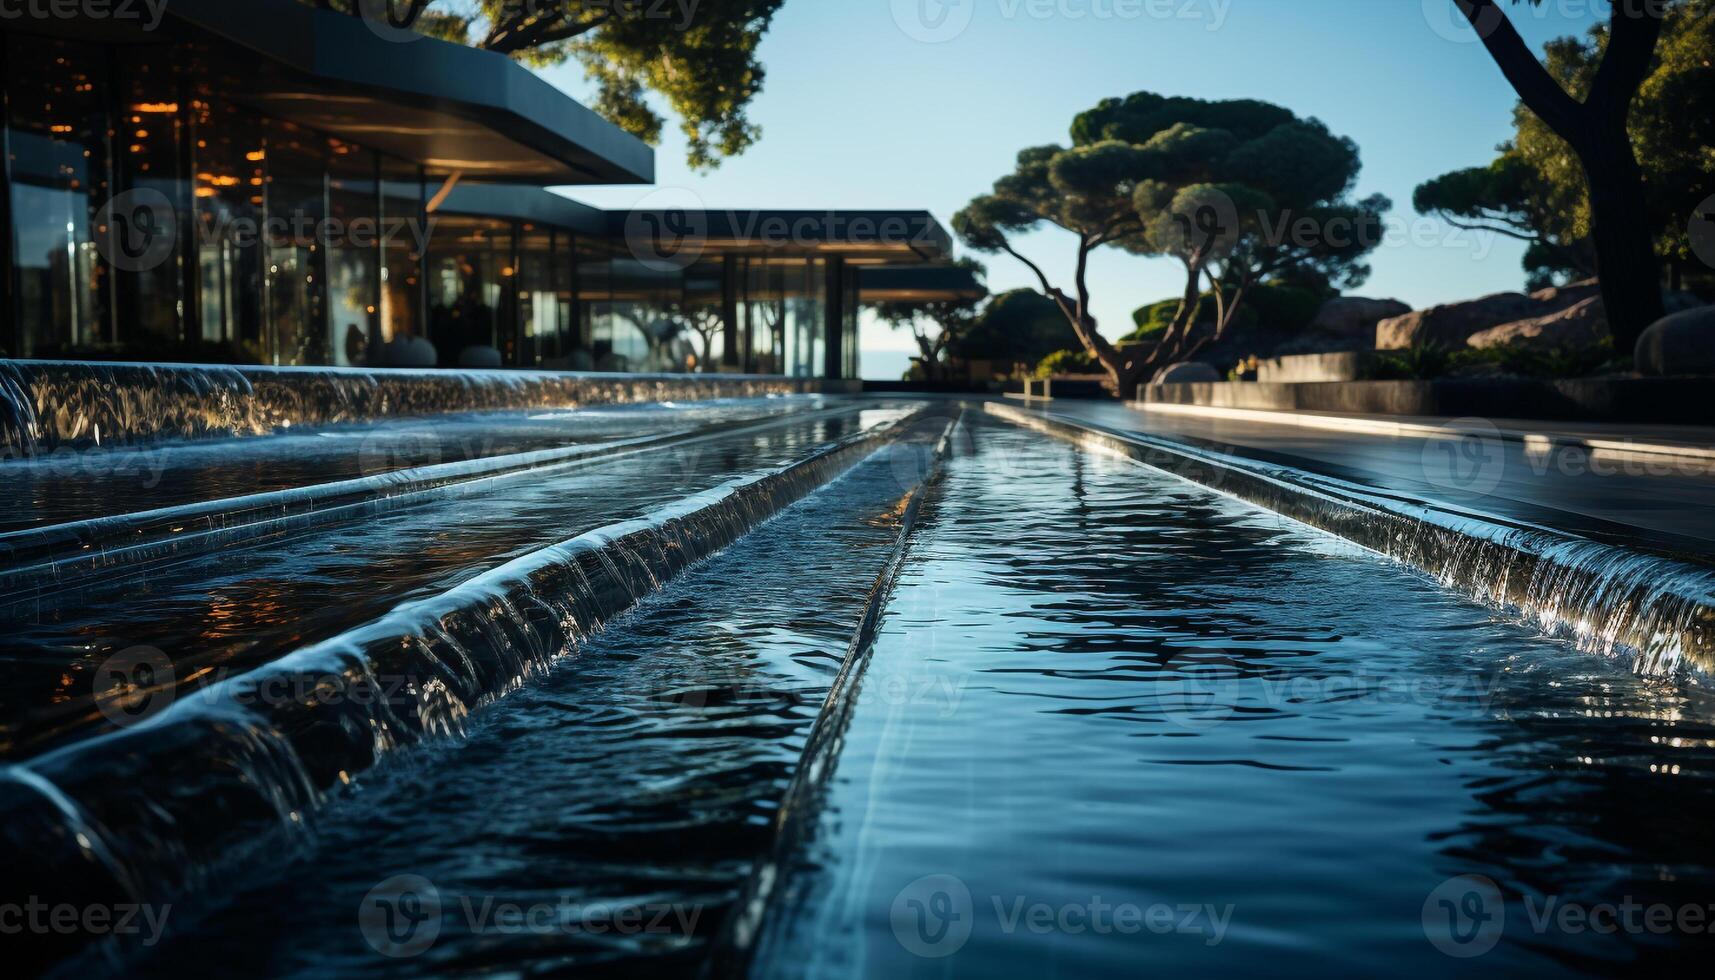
(351, 236)
(538, 302)
(469, 271)
(294, 277)
(56, 92)
(229, 188)
(150, 137)
(403, 240)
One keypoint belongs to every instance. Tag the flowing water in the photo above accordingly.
(1111, 722)
(75, 485)
(213, 615)
(49, 405)
(637, 776)
(1150, 728)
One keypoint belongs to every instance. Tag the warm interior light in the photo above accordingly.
(163, 107)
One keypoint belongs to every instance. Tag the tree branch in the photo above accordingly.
(1540, 92)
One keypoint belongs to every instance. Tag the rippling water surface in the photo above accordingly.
(246, 605)
(70, 485)
(1153, 730)
(639, 776)
(1113, 724)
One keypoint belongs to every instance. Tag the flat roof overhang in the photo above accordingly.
(444, 106)
(918, 284)
(860, 237)
(532, 205)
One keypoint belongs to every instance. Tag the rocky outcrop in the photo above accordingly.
(1583, 324)
(1683, 343)
(1186, 372)
(1568, 295)
(1356, 316)
(1449, 325)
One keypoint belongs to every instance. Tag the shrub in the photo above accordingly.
(1067, 362)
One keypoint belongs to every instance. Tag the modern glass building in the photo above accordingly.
(265, 182)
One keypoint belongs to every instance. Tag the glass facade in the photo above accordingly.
(151, 218)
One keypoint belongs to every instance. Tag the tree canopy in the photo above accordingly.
(700, 58)
(1237, 191)
(1594, 124)
(1020, 326)
(1537, 191)
(951, 319)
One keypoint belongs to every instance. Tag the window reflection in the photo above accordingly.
(59, 156)
(294, 247)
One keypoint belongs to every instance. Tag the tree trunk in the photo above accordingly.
(929, 359)
(1185, 319)
(1625, 248)
(1596, 130)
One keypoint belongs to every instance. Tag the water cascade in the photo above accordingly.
(147, 810)
(1657, 611)
(50, 557)
(45, 405)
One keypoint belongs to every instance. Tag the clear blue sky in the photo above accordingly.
(860, 112)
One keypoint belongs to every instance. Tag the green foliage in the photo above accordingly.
(1419, 363)
(952, 319)
(1429, 362)
(1277, 307)
(1243, 192)
(701, 60)
(1067, 362)
(1017, 327)
(1537, 191)
(1287, 309)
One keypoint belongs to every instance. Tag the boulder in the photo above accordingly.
(1450, 324)
(1356, 316)
(403, 352)
(1683, 343)
(1571, 294)
(1186, 372)
(479, 356)
(1584, 324)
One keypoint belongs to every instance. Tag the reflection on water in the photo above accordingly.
(219, 614)
(1178, 733)
(634, 784)
(1113, 722)
(68, 485)
(46, 405)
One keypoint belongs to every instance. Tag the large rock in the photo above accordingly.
(1683, 343)
(1186, 372)
(1356, 316)
(1450, 324)
(1571, 294)
(1584, 324)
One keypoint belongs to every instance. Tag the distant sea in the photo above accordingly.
(884, 365)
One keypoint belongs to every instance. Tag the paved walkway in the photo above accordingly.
(1643, 486)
